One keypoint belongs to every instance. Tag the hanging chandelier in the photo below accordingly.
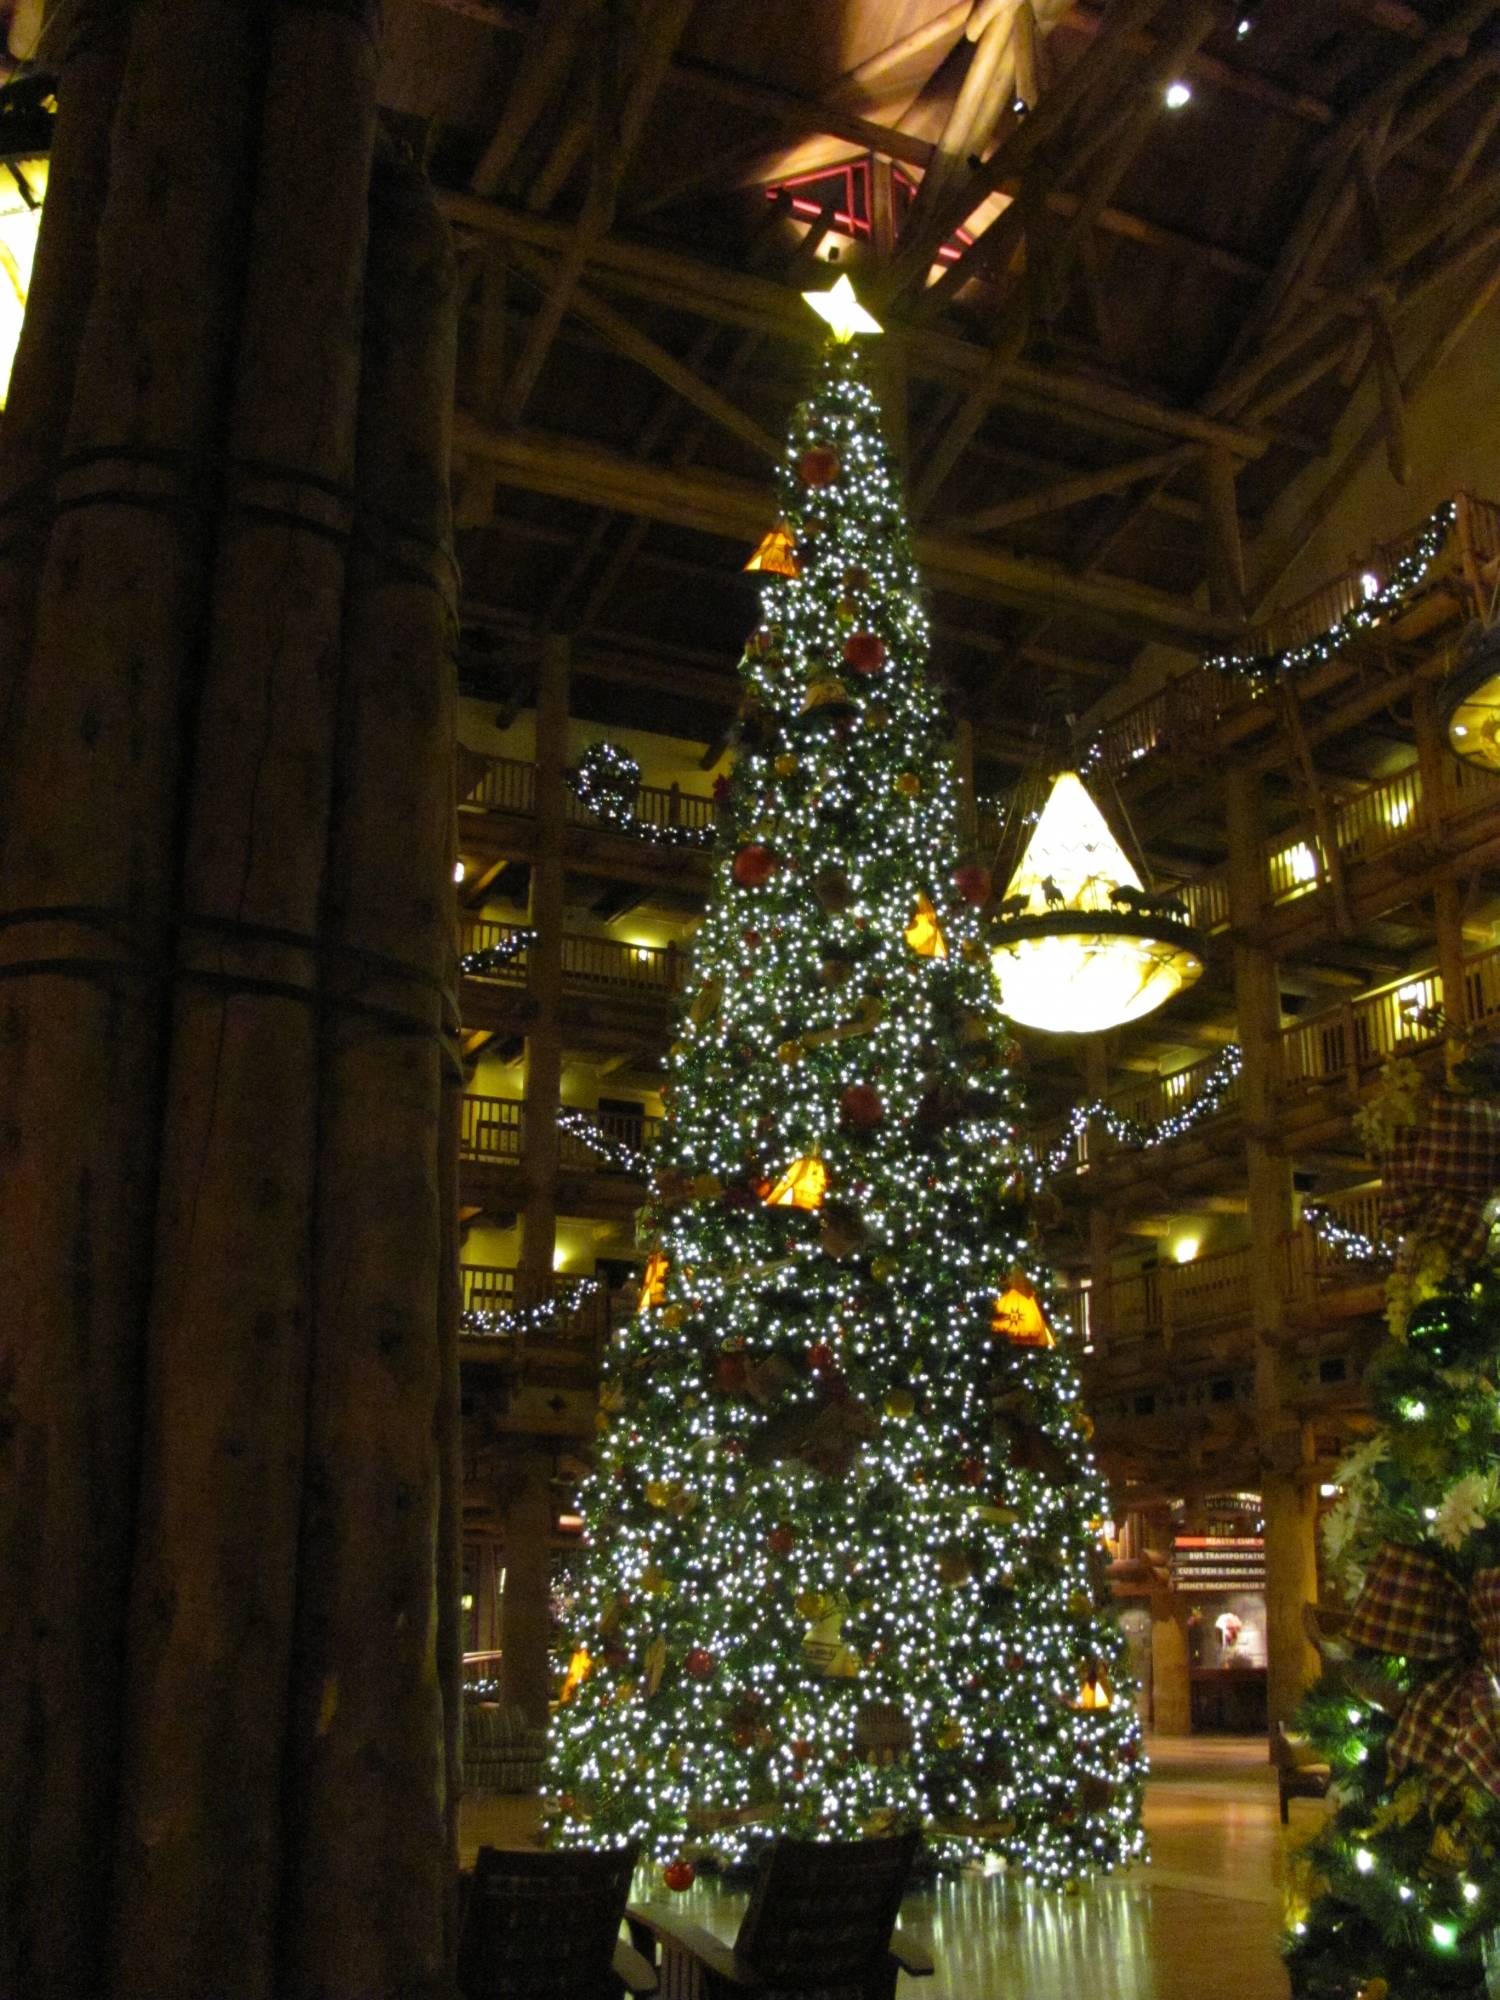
(1080, 945)
(26, 113)
(1470, 699)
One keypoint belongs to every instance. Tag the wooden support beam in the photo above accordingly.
(1226, 560)
(1316, 797)
(1026, 60)
(1388, 384)
(616, 137)
(867, 76)
(981, 101)
(550, 47)
(656, 360)
(567, 149)
(1070, 492)
(1278, 556)
(738, 511)
(735, 298)
(1195, 23)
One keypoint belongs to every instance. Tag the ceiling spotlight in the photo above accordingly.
(1243, 26)
(1177, 94)
(458, 871)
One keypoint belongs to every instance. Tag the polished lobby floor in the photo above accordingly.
(1202, 1918)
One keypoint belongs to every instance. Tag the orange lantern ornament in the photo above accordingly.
(776, 555)
(802, 1185)
(579, 1669)
(1094, 1696)
(653, 1281)
(1018, 1317)
(924, 934)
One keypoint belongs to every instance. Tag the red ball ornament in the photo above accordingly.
(865, 652)
(971, 1471)
(861, 1104)
(730, 1374)
(699, 1663)
(975, 884)
(754, 866)
(751, 938)
(820, 1355)
(679, 1874)
(781, 1540)
(802, 1749)
(819, 465)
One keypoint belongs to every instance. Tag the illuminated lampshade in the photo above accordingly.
(1470, 699)
(776, 555)
(1095, 1692)
(26, 114)
(579, 1669)
(803, 1185)
(653, 1281)
(924, 933)
(1080, 945)
(1018, 1318)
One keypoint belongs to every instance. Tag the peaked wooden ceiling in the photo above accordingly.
(1115, 330)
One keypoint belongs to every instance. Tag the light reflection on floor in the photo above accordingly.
(1202, 1919)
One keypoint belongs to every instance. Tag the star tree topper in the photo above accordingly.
(843, 311)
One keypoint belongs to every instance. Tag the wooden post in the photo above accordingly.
(539, 1140)
(1435, 762)
(92, 746)
(1448, 926)
(1226, 558)
(367, 1745)
(1171, 1683)
(963, 778)
(525, 1609)
(1288, 1489)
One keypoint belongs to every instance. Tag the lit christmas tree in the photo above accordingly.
(843, 1568)
(1398, 1895)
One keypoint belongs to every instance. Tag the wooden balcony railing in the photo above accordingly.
(1315, 1267)
(490, 1128)
(616, 1128)
(1348, 1042)
(1173, 1298)
(492, 1288)
(508, 785)
(504, 784)
(587, 962)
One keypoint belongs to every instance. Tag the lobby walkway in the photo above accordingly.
(1203, 1917)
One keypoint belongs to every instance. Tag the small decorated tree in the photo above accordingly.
(1398, 1896)
(843, 1569)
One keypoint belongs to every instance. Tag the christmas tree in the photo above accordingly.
(1398, 1895)
(842, 1567)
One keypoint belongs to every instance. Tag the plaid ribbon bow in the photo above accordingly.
(1440, 1173)
(1412, 1605)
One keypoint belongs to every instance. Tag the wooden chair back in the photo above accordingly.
(542, 1925)
(822, 1912)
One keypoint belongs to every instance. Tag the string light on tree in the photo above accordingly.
(840, 1573)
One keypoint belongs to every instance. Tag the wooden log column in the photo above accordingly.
(1288, 1480)
(544, 977)
(1171, 1688)
(525, 1607)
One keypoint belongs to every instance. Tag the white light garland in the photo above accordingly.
(607, 780)
(1135, 1132)
(516, 1321)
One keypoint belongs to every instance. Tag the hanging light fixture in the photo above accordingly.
(27, 109)
(1470, 699)
(1080, 945)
